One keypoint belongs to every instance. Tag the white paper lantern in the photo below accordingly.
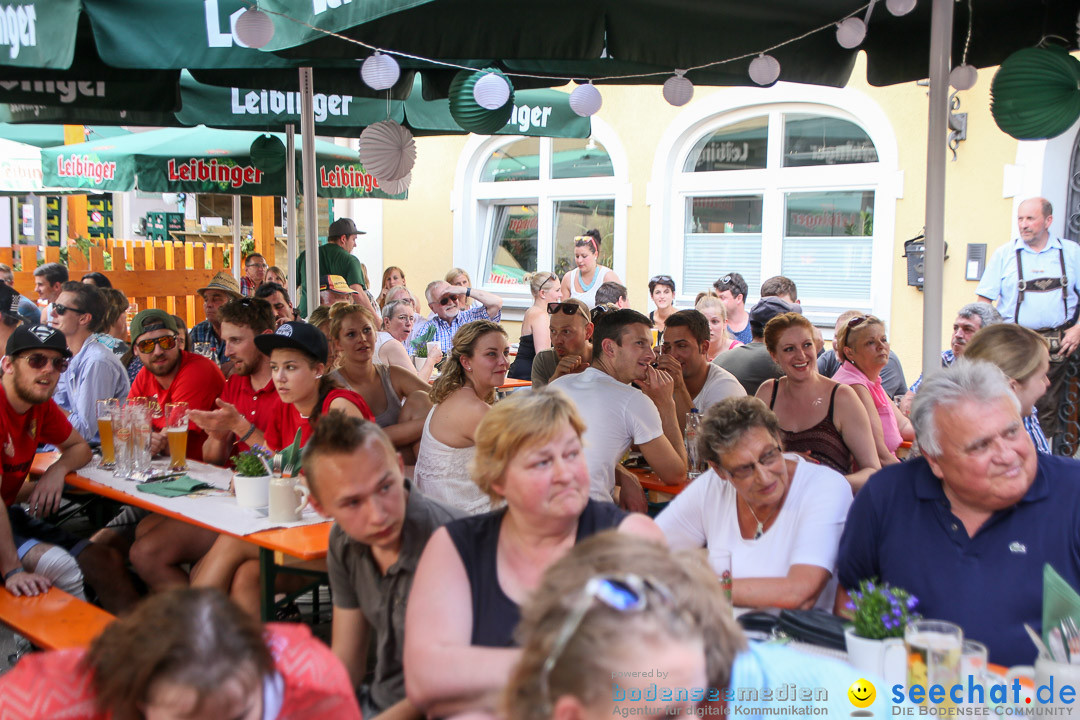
(254, 28)
(963, 77)
(850, 33)
(396, 187)
(900, 7)
(678, 90)
(387, 151)
(380, 72)
(491, 92)
(764, 69)
(586, 100)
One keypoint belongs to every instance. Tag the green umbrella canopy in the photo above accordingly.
(199, 160)
(44, 136)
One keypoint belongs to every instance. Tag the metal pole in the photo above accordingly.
(311, 218)
(290, 204)
(236, 237)
(941, 29)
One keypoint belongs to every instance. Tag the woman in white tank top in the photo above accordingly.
(583, 281)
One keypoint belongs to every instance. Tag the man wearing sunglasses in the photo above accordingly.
(442, 299)
(95, 372)
(732, 289)
(570, 351)
(34, 554)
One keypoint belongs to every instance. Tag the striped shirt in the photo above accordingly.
(1034, 429)
(445, 331)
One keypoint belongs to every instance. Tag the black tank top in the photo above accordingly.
(496, 616)
(823, 442)
(521, 369)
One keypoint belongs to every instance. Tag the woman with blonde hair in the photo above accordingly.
(712, 307)
(476, 571)
(535, 329)
(458, 277)
(819, 417)
(393, 277)
(1024, 356)
(863, 350)
(398, 399)
(462, 395)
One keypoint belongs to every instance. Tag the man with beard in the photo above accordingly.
(570, 352)
(34, 554)
(442, 299)
(250, 401)
(278, 297)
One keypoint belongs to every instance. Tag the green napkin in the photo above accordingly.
(183, 485)
(290, 456)
(1059, 601)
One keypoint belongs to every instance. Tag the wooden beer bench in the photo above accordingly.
(53, 620)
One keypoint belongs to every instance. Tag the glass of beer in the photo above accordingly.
(176, 429)
(934, 648)
(107, 412)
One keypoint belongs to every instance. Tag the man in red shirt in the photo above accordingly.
(34, 554)
(170, 375)
(250, 401)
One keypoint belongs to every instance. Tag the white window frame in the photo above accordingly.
(670, 187)
(472, 202)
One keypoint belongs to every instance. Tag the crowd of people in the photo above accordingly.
(472, 534)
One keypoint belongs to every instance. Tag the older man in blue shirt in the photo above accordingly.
(442, 299)
(968, 527)
(95, 373)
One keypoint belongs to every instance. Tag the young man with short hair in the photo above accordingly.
(781, 287)
(95, 372)
(250, 401)
(47, 281)
(612, 292)
(571, 352)
(278, 297)
(381, 525)
(219, 291)
(698, 383)
(616, 414)
(254, 274)
(732, 289)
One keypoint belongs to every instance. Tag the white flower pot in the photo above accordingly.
(886, 659)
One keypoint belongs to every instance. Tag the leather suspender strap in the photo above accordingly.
(1043, 285)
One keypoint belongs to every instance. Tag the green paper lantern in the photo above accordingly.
(268, 154)
(468, 113)
(1036, 93)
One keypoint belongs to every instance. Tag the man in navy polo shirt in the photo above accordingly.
(968, 527)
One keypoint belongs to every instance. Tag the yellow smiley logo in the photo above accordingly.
(862, 693)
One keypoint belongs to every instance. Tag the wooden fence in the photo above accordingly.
(161, 275)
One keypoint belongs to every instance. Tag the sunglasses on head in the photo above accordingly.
(586, 240)
(856, 321)
(553, 308)
(61, 309)
(167, 342)
(600, 310)
(37, 361)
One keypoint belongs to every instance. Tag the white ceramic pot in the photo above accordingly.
(252, 491)
(886, 659)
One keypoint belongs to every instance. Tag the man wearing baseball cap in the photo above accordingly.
(221, 290)
(35, 554)
(333, 289)
(335, 258)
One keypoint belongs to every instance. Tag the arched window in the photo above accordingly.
(525, 201)
(795, 189)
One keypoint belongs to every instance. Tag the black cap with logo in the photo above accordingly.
(36, 337)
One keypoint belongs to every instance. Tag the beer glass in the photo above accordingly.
(122, 443)
(176, 430)
(934, 648)
(107, 411)
(137, 417)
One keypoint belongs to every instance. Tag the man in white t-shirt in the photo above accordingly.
(617, 415)
(698, 383)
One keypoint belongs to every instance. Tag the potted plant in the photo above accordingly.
(251, 477)
(875, 639)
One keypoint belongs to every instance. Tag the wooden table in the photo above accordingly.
(651, 481)
(306, 542)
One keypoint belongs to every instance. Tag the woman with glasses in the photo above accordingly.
(864, 351)
(535, 328)
(463, 395)
(662, 293)
(775, 519)
(819, 417)
(712, 307)
(584, 280)
(476, 571)
(398, 398)
(398, 318)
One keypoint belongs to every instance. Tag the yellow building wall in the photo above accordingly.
(418, 233)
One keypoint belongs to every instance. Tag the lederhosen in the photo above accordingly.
(1053, 335)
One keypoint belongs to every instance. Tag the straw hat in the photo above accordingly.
(224, 282)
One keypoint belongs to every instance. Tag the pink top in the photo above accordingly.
(851, 375)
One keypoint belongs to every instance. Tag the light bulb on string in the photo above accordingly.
(900, 7)
(963, 77)
(380, 71)
(254, 28)
(585, 100)
(678, 90)
(491, 91)
(850, 32)
(764, 69)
